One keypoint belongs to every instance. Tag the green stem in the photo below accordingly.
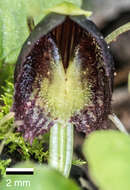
(61, 147)
(129, 82)
(6, 118)
(117, 123)
(112, 37)
(30, 23)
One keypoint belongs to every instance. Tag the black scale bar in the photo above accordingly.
(19, 173)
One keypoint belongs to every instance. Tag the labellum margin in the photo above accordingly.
(64, 74)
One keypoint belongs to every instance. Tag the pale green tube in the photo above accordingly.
(61, 148)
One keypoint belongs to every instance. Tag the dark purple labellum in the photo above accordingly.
(64, 73)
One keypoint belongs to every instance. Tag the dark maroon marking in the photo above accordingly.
(37, 64)
(67, 36)
(93, 116)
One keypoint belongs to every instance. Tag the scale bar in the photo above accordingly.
(19, 171)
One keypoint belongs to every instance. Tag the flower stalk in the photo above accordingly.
(61, 147)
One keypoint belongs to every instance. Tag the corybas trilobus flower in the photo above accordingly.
(64, 73)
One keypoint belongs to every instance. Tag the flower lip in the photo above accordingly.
(81, 90)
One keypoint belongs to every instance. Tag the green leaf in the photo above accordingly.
(108, 155)
(44, 178)
(13, 23)
(67, 8)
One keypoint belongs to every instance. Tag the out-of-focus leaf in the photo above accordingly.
(44, 178)
(13, 23)
(108, 155)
